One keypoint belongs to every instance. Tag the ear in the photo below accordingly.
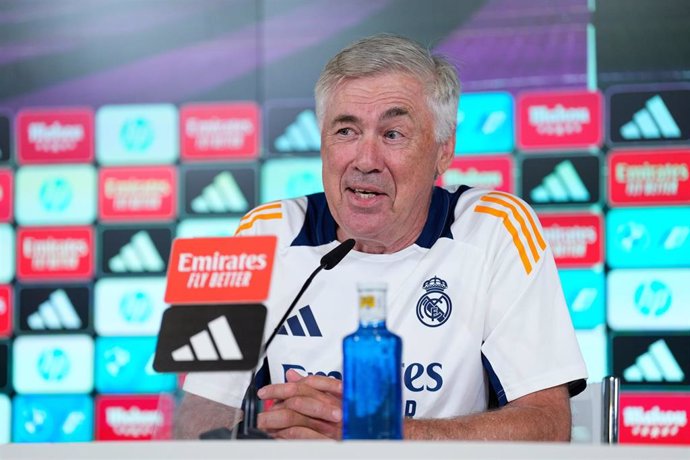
(446, 154)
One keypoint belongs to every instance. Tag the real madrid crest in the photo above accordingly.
(434, 307)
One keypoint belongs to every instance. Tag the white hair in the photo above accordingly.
(385, 53)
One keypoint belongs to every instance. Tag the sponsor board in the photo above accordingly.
(594, 347)
(652, 237)
(652, 360)
(54, 309)
(559, 120)
(654, 418)
(576, 239)
(56, 195)
(648, 114)
(6, 310)
(50, 253)
(584, 292)
(137, 134)
(490, 172)
(5, 365)
(219, 190)
(206, 228)
(134, 418)
(649, 299)
(7, 253)
(6, 199)
(52, 364)
(289, 178)
(199, 338)
(222, 270)
(219, 131)
(557, 181)
(128, 251)
(650, 177)
(5, 418)
(485, 123)
(5, 138)
(292, 129)
(128, 306)
(60, 418)
(133, 194)
(125, 365)
(55, 135)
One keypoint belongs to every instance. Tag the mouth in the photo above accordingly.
(364, 193)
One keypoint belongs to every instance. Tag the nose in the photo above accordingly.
(369, 156)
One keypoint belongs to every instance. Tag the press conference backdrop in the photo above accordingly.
(126, 123)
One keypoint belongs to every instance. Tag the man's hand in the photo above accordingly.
(305, 408)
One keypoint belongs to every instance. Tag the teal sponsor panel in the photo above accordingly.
(129, 306)
(654, 299)
(585, 295)
(7, 253)
(290, 177)
(194, 228)
(56, 195)
(137, 134)
(649, 237)
(485, 123)
(62, 418)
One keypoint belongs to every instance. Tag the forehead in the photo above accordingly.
(378, 93)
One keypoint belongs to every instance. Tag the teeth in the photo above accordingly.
(364, 193)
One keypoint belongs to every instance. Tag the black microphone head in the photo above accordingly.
(337, 254)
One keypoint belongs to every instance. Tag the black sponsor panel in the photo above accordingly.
(5, 139)
(555, 181)
(658, 116)
(292, 130)
(227, 338)
(215, 191)
(5, 366)
(54, 309)
(134, 251)
(656, 361)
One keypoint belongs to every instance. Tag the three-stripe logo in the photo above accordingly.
(654, 121)
(656, 365)
(302, 135)
(55, 313)
(520, 224)
(219, 344)
(563, 185)
(301, 324)
(139, 255)
(220, 196)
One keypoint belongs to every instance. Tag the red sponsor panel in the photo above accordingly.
(5, 311)
(206, 270)
(654, 418)
(55, 135)
(559, 119)
(576, 239)
(491, 172)
(649, 177)
(64, 253)
(219, 131)
(133, 194)
(134, 418)
(5, 195)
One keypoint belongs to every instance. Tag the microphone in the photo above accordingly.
(328, 262)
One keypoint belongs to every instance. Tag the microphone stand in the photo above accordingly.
(247, 428)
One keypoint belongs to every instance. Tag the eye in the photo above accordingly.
(344, 131)
(392, 134)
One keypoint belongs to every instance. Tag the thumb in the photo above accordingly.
(293, 376)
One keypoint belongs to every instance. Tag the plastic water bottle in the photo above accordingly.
(372, 391)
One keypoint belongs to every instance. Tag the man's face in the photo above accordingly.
(380, 159)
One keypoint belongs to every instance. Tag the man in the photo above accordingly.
(387, 111)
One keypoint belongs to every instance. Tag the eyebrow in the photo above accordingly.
(393, 112)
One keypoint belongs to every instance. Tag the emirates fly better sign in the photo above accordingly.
(220, 270)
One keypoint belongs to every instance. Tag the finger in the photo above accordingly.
(301, 388)
(318, 382)
(314, 408)
(282, 419)
(300, 432)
